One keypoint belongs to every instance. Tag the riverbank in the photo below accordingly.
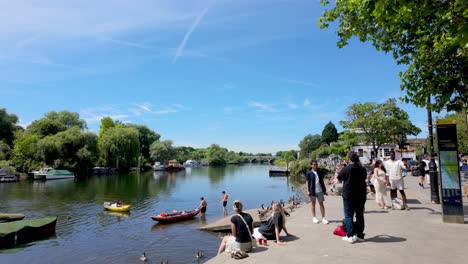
(415, 236)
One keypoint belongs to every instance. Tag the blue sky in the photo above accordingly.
(249, 75)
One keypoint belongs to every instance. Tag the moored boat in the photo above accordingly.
(174, 166)
(59, 174)
(158, 166)
(25, 231)
(117, 208)
(10, 217)
(7, 175)
(41, 173)
(175, 216)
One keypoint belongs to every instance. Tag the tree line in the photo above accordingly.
(61, 140)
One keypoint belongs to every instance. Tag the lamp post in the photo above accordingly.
(432, 165)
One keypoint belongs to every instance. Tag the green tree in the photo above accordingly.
(162, 150)
(106, 123)
(54, 122)
(308, 144)
(120, 147)
(7, 126)
(146, 137)
(329, 133)
(216, 155)
(67, 119)
(377, 124)
(26, 151)
(429, 36)
(462, 130)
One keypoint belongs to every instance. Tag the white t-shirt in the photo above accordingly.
(394, 168)
(318, 188)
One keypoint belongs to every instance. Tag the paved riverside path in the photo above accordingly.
(392, 236)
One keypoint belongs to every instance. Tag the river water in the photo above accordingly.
(86, 233)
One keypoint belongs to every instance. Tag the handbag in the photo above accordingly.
(254, 241)
(339, 231)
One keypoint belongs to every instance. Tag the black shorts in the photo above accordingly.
(203, 209)
(224, 203)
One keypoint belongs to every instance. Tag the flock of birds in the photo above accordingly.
(198, 255)
(293, 202)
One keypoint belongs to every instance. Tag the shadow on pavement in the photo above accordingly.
(289, 238)
(376, 212)
(259, 249)
(413, 201)
(431, 211)
(386, 239)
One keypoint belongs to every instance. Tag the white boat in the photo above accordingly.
(40, 174)
(191, 163)
(158, 166)
(55, 175)
(7, 175)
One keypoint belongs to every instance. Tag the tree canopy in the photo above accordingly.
(308, 144)
(377, 124)
(7, 126)
(429, 36)
(329, 133)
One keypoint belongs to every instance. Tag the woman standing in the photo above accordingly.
(380, 183)
(272, 228)
(241, 229)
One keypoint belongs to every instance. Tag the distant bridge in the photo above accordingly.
(259, 159)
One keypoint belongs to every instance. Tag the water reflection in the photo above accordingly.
(84, 228)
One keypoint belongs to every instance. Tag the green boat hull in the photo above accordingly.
(25, 231)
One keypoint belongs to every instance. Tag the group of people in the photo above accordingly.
(243, 236)
(354, 178)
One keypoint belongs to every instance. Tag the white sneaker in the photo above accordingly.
(315, 220)
(325, 221)
(348, 239)
(356, 238)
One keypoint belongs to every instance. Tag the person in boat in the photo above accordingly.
(271, 229)
(224, 201)
(203, 205)
(241, 229)
(119, 203)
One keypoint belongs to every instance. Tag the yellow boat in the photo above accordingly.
(116, 208)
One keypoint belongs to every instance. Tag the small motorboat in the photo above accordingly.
(175, 216)
(115, 207)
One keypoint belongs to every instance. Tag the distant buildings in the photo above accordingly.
(366, 152)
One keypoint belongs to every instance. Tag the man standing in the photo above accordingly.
(316, 190)
(203, 205)
(354, 178)
(224, 201)
(394, 168)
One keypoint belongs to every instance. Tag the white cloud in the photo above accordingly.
(261, 106)
(306, 102)
(300, 82)
(293, 105)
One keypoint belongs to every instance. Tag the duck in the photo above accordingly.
(164, 261)
(143, 257)
(199, 254)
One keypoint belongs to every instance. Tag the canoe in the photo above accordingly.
(25, 231)
(175, 216)
(113, 207)
(10, 217)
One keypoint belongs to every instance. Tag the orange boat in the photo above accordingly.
(176, 216)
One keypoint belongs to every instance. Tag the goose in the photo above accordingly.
(164, 261)
(143, 257)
